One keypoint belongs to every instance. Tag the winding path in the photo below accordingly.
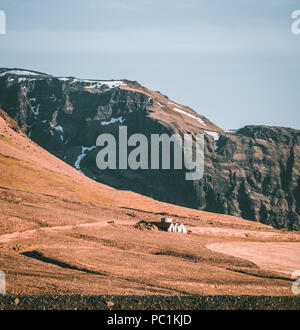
(6, 238)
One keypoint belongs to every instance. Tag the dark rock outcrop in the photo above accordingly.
(252, 172)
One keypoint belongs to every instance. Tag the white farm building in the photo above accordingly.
(167, 224)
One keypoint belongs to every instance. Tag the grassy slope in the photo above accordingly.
(56, 235)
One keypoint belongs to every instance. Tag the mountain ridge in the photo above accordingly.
(62, 233)
(252, 172)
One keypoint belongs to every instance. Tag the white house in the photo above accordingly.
(167, 224)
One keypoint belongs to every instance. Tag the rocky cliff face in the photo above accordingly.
(252, 172)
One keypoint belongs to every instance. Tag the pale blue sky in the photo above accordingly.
(234, 61)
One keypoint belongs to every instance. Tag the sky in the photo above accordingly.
(236, 62)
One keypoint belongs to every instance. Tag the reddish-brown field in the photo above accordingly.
(62, 233)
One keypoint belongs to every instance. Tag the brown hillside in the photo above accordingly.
(63, 233)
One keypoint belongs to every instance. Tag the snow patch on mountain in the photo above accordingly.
(215, 136)
(59, 128)
(20, 73)
(94, 83)
(81, 156)
(99, 84)
(36, 110)
(169, 102)
(162, 106)
(113, 120)
(190, 115)
(112, 84)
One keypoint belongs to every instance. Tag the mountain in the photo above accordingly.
(252, 172)
(62, 233)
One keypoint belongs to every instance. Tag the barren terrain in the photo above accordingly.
(63, 233)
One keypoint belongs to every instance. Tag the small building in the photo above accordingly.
(168, 225)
